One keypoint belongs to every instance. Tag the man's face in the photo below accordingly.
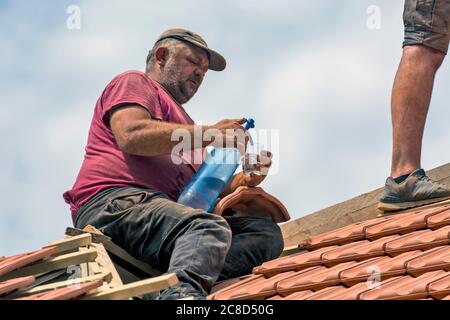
(184, 72)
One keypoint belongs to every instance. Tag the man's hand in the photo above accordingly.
(228, 133)
(264, 161)
(262, 166)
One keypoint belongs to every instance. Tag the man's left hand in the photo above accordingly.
(264, 161)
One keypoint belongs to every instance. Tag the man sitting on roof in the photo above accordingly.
(424, 49)
(128, 184)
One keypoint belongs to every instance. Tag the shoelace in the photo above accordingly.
(428, 179)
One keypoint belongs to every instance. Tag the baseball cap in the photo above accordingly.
(216, 61)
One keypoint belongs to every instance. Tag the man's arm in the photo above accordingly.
(138, 134)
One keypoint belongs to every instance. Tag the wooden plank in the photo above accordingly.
(72, 243)
(358, 209)
(104, 262)
(52, 264)
(136, 289)
(96, 237)
(94, 268)
(52, 286)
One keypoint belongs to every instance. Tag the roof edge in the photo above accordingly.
(357, 209)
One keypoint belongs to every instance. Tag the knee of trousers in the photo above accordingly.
(216, 226)
(275, 242)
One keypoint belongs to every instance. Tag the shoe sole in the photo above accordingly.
(387, 207)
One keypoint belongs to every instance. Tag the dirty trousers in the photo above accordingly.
(199, 247)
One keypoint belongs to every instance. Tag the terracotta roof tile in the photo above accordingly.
(439, 220)
(433, 259)
(15, 284)
(221, 290)
(419, 240)
(440, 288)
(316, 279)
(385, 267)
(19, 261)
(402, 224)
(259, 288)
(357, 251)
(404, 288)
(348, 234)
(301, 295)
(403, 256)
(343, 293)
(66, 293)
(299, 261)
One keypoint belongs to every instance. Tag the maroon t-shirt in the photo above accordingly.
(106, 166)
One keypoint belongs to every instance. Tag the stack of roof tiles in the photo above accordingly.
(72, 268)
(404, 256)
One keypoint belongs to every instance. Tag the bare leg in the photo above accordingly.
(411, 97)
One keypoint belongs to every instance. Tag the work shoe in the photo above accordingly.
(180, 291)
(416, 190)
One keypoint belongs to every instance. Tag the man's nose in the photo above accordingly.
(199, 72)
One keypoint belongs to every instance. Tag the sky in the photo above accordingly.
(319, 73)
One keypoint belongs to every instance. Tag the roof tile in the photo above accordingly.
(315, 279)
(66, 293)
(348, 234)
(299, 261)
(223, 289)
(259, 288)
(433, 259)
(301, 295)
(402, 224)
(404, 288)
(440, 288)
(14, 284)
(439, 220)
(19, 261)
(384, 267)
(358, 251)
(419, 240)
(344, 293)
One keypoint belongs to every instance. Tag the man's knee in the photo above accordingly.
(275, 239)
(424, 54)
(270, 238)
(215, 225)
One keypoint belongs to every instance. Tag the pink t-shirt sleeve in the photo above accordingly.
(131, 88)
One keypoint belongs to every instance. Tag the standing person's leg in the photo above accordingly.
(171, 237)
(425, 47)
(411, 97)
(255, 240)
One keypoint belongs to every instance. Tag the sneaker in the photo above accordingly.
(417, 190)
(180, 291)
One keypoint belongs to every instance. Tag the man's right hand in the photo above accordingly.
(229, 133)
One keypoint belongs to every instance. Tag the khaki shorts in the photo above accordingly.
(427, 23)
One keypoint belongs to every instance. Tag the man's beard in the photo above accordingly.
(181, 90)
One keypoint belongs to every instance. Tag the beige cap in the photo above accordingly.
(216, 61)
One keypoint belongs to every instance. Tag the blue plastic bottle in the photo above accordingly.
(211, 179)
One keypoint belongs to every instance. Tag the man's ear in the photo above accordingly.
(161, 55)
